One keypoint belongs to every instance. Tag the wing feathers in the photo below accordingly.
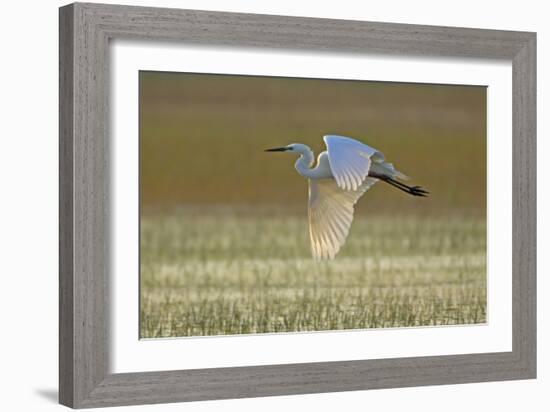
(350, 160)
(330, 215)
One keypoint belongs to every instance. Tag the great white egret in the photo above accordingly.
(344, 172)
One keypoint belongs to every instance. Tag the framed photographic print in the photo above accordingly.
(257, 205)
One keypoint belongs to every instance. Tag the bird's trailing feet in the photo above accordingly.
(412, 190)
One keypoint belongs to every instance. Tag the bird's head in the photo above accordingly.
(292, 148)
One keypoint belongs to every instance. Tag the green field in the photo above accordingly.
(224, 239)
(226, 272)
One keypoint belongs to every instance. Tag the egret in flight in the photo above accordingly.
(344, 172)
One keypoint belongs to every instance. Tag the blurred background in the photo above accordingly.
(202, 139)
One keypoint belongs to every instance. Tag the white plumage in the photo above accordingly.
(330, 212)
(344, 172)
(350, 160)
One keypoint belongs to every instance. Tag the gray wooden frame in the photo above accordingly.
(85, 31)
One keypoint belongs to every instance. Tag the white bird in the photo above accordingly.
(344, 172)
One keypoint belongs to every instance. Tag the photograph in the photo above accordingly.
(286, 205)
(275, 206)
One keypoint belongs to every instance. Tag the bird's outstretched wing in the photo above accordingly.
(330, 214)
(350, 160)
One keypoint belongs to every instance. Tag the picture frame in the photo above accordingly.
(84, 355)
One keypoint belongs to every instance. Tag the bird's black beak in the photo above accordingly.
(277, 149)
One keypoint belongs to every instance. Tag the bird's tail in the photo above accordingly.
(396, 173)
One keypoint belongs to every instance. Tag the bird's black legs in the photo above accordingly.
(412, 190)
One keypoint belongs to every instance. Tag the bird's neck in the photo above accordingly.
(305, 162)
